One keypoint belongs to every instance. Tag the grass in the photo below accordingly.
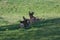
(11, 11)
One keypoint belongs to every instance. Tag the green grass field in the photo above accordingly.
(11, 11)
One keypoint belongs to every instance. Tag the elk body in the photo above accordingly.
(27, 22)
(33, 18)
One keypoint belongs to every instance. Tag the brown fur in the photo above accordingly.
(25, 22)
(32, 17)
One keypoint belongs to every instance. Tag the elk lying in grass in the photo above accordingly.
(26, 22)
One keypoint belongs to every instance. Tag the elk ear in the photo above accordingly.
(29, 13)
(24, 18)
(32, 13)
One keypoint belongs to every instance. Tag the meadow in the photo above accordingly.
(12, 11)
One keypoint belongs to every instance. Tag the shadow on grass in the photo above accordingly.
(53, 34)
(47, 22)
(9, 27)
(38, 24)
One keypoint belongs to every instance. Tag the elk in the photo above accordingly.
(32, 17)
(25, 23)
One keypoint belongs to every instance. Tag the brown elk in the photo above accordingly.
(32, 17)
(25, 23)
